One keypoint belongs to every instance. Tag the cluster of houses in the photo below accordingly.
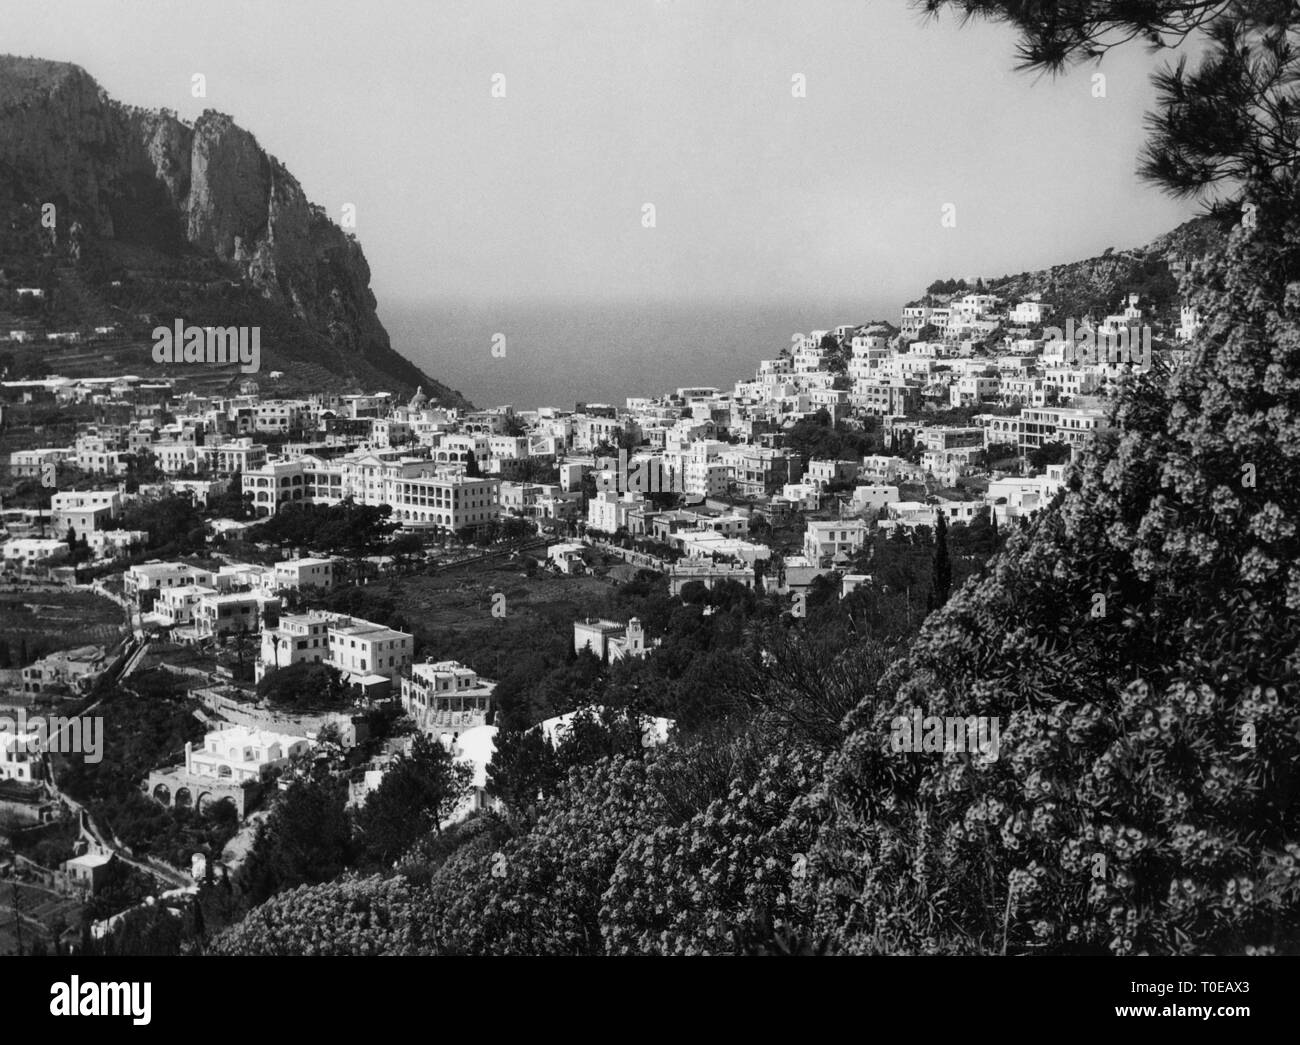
(593, 474)
(722, 454)
(445, 699)
(446, 471)
(194, 602)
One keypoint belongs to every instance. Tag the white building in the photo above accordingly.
(473, 747)
(175, 607)
(974, 306)
(160, 576)
(958, 511)
(1012, 498)
(973, 388)
(108, 544)
(1073, 426)
(173, 457)
(703, 478)
(1189, 323)
(215, 615)
(73, 501)
(567, 558)
(20, 757)
(241, 455)
(25, 553)
(275, 484)
(807, 495)
(909, 515)
(607, 511)
(881, 467)
(362, 651)
(448, 501)
(296, 574)
(446, 695)
(609, 640)
(1030, 313)
(914, 318)
(871, 497)
(829, 539)
(239, 754)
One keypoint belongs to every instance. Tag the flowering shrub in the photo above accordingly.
(1138, 648)
(540, 892)
(1142, 800)
(350, 916)
(689, 888)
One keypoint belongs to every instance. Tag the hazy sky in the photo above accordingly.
(611, 104)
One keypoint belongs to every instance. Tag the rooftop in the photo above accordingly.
(90, 860)
(241, 735)
(363, 629)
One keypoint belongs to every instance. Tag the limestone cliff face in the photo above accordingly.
(146, 178)
(229, 203)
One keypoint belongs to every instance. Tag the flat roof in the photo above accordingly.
(371, 631)
(91, 859)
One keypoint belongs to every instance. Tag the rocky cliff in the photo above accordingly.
(154, 214)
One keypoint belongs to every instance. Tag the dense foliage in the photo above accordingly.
(174, 525)
(539, 893)
(418, 792)
(351, 916)
(307, 839)
(147, 724)
(344, 528)
(693, 887)
(303, 685)
(1136, 647)
(1143, 799)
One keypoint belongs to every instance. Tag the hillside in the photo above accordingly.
(155, 219)
(1096, 285)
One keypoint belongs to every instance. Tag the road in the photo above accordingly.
(135, 652)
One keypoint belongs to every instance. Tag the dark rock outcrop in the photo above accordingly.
(144, 188)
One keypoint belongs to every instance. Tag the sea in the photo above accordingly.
(557, 353)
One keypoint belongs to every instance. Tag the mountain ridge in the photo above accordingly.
(155, 218)
(1095, 285)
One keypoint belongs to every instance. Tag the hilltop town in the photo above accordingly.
(221, 535)
(782, 582)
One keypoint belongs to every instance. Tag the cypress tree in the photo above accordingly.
(942, 584)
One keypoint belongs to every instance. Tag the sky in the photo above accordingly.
(688, 105)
